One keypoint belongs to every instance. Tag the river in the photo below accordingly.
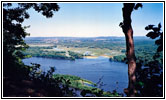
(113, 74)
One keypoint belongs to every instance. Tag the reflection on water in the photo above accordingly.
(114, 73)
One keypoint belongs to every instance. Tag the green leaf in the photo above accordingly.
(141, 83)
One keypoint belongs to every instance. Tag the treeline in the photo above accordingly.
(47, 52)
(90, 43)
(112, 43)
(144, 54)
(75, 55)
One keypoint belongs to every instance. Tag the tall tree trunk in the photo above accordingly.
(128, 31)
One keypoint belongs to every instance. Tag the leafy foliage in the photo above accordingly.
(150, 77)
(119, 58)
(46, 52)
(75, 55)
(155, 33)
(53, 85)
(13, 42)
(144, 52)
(14, 32)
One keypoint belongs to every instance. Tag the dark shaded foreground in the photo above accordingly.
(23, 88)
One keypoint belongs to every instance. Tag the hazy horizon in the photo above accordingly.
(78, 37)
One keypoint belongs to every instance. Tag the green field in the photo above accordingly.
(110, 47)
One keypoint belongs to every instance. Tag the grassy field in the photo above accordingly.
(99, 46)
(94, 52)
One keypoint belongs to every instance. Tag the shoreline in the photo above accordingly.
(86, 57)
(95, 57)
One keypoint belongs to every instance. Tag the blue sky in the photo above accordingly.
(92, 20)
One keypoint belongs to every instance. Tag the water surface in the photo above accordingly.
(114, 74)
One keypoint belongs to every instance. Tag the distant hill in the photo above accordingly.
(87, 38)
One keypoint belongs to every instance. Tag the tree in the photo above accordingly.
(14, 33)
(156, 32)
(150, 79)
(14, 71)
(128, 31)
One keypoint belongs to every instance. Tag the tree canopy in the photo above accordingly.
(14, 32)
(149, 80)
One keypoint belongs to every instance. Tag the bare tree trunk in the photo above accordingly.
(128, 31)
(131, 63)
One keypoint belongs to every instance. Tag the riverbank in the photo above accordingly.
(85, 86)
(95, 57)
(91, 57)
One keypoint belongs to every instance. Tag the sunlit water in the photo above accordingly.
(114, 74)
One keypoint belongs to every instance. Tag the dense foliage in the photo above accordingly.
(16, 75)
(22, 80)
(149, 59)
(150, 77)
(13, 32)
(47, 52)
(19, 78)
(75, 55)
(144, 52)
(86, 88)
(156, 33)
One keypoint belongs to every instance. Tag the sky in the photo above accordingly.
(92, 20)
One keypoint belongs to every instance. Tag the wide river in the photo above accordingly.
(113, 74)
